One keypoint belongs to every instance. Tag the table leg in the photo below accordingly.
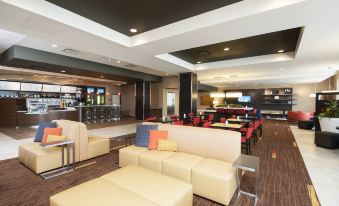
(73, 148)
(238, 176)
(62, 155)
(67, 155)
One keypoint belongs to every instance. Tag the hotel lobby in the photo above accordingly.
(169, 103)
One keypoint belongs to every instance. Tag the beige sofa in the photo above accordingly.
(204, 159)
(41, 159)
(128, 186)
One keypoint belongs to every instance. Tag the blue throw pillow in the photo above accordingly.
(143, 134)
(40, 132)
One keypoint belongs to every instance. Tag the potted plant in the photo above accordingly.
(329, 119)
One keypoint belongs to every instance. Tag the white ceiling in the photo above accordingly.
(41, 24)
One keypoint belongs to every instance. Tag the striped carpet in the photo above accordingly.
(283, 180)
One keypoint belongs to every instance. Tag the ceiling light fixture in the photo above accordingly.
(133, 30)
(118, 61)
(281, 51)
(233, 94)
(217, 95)
(226, 49)
(63, 71)
(198, 62)
(54, 45)
(166, 73)
(102, 77)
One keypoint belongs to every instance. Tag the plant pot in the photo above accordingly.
(329, 124)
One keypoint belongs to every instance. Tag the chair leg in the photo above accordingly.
(249, 147)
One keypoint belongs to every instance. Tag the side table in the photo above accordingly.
(251, 164)
(64, 168)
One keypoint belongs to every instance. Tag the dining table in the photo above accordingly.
(227, 126)
(238, 121)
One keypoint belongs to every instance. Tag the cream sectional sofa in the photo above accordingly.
(128, 186)
(41, 159)
(204, 159)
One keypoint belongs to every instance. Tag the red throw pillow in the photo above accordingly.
(50, 131)
(154, 136)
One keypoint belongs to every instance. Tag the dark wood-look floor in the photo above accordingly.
(29, 132)
(283, 180)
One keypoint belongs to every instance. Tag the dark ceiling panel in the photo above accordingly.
(18, 56)
(143, 15)
(264, 44)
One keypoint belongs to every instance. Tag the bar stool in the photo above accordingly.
(94, 112)
(108, 114)
(101, 113)
(87, 115)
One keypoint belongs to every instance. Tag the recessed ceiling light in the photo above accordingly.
(226, 49)
(3, 79)
(133, 30)
(101, 77)
(281, 51)
(166, 73)
(119, 84)
(118, 61)
(198, 62)
(63, 71)
(54, 45)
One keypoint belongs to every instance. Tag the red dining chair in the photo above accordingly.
(255, 131)
(196, 121)
(233, 116)
(151, 119)
(207, 125)
(178, 123)
(253, 112)
(246, 140)
(210, 117)
(222, 120)
(240, 112)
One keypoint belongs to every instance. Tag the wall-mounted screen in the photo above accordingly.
(9, 86)
(68, 89)
(90, 90)
(29, 87)
(101, 90)
(51, 88)
(244, 99)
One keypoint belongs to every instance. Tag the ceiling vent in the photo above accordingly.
(71, 51)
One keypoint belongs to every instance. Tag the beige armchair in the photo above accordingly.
(41, 159)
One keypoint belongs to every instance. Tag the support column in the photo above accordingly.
(142, 100)
(188, 93)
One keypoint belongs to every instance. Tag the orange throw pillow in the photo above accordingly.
(154, 136)
(50, 131)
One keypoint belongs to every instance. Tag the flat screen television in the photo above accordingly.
(90, 90)
(244, 99)
(101, 90)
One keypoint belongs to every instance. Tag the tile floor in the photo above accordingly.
(322, 165)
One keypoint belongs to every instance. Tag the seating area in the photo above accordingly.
(169, 103)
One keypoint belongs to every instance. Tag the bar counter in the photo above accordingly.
(32, 119)
(98, 113)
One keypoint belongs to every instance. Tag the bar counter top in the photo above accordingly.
(83, 106)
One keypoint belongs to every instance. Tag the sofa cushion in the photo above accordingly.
(167, 145)
(40, 131)
(55, 138)
(130, 155)
(215, 180)
(143, 134)
(161, 189)
(180, 165)
(50, 131)
(98, 192)
(98, 146)
(152, 159)
(155, 135)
